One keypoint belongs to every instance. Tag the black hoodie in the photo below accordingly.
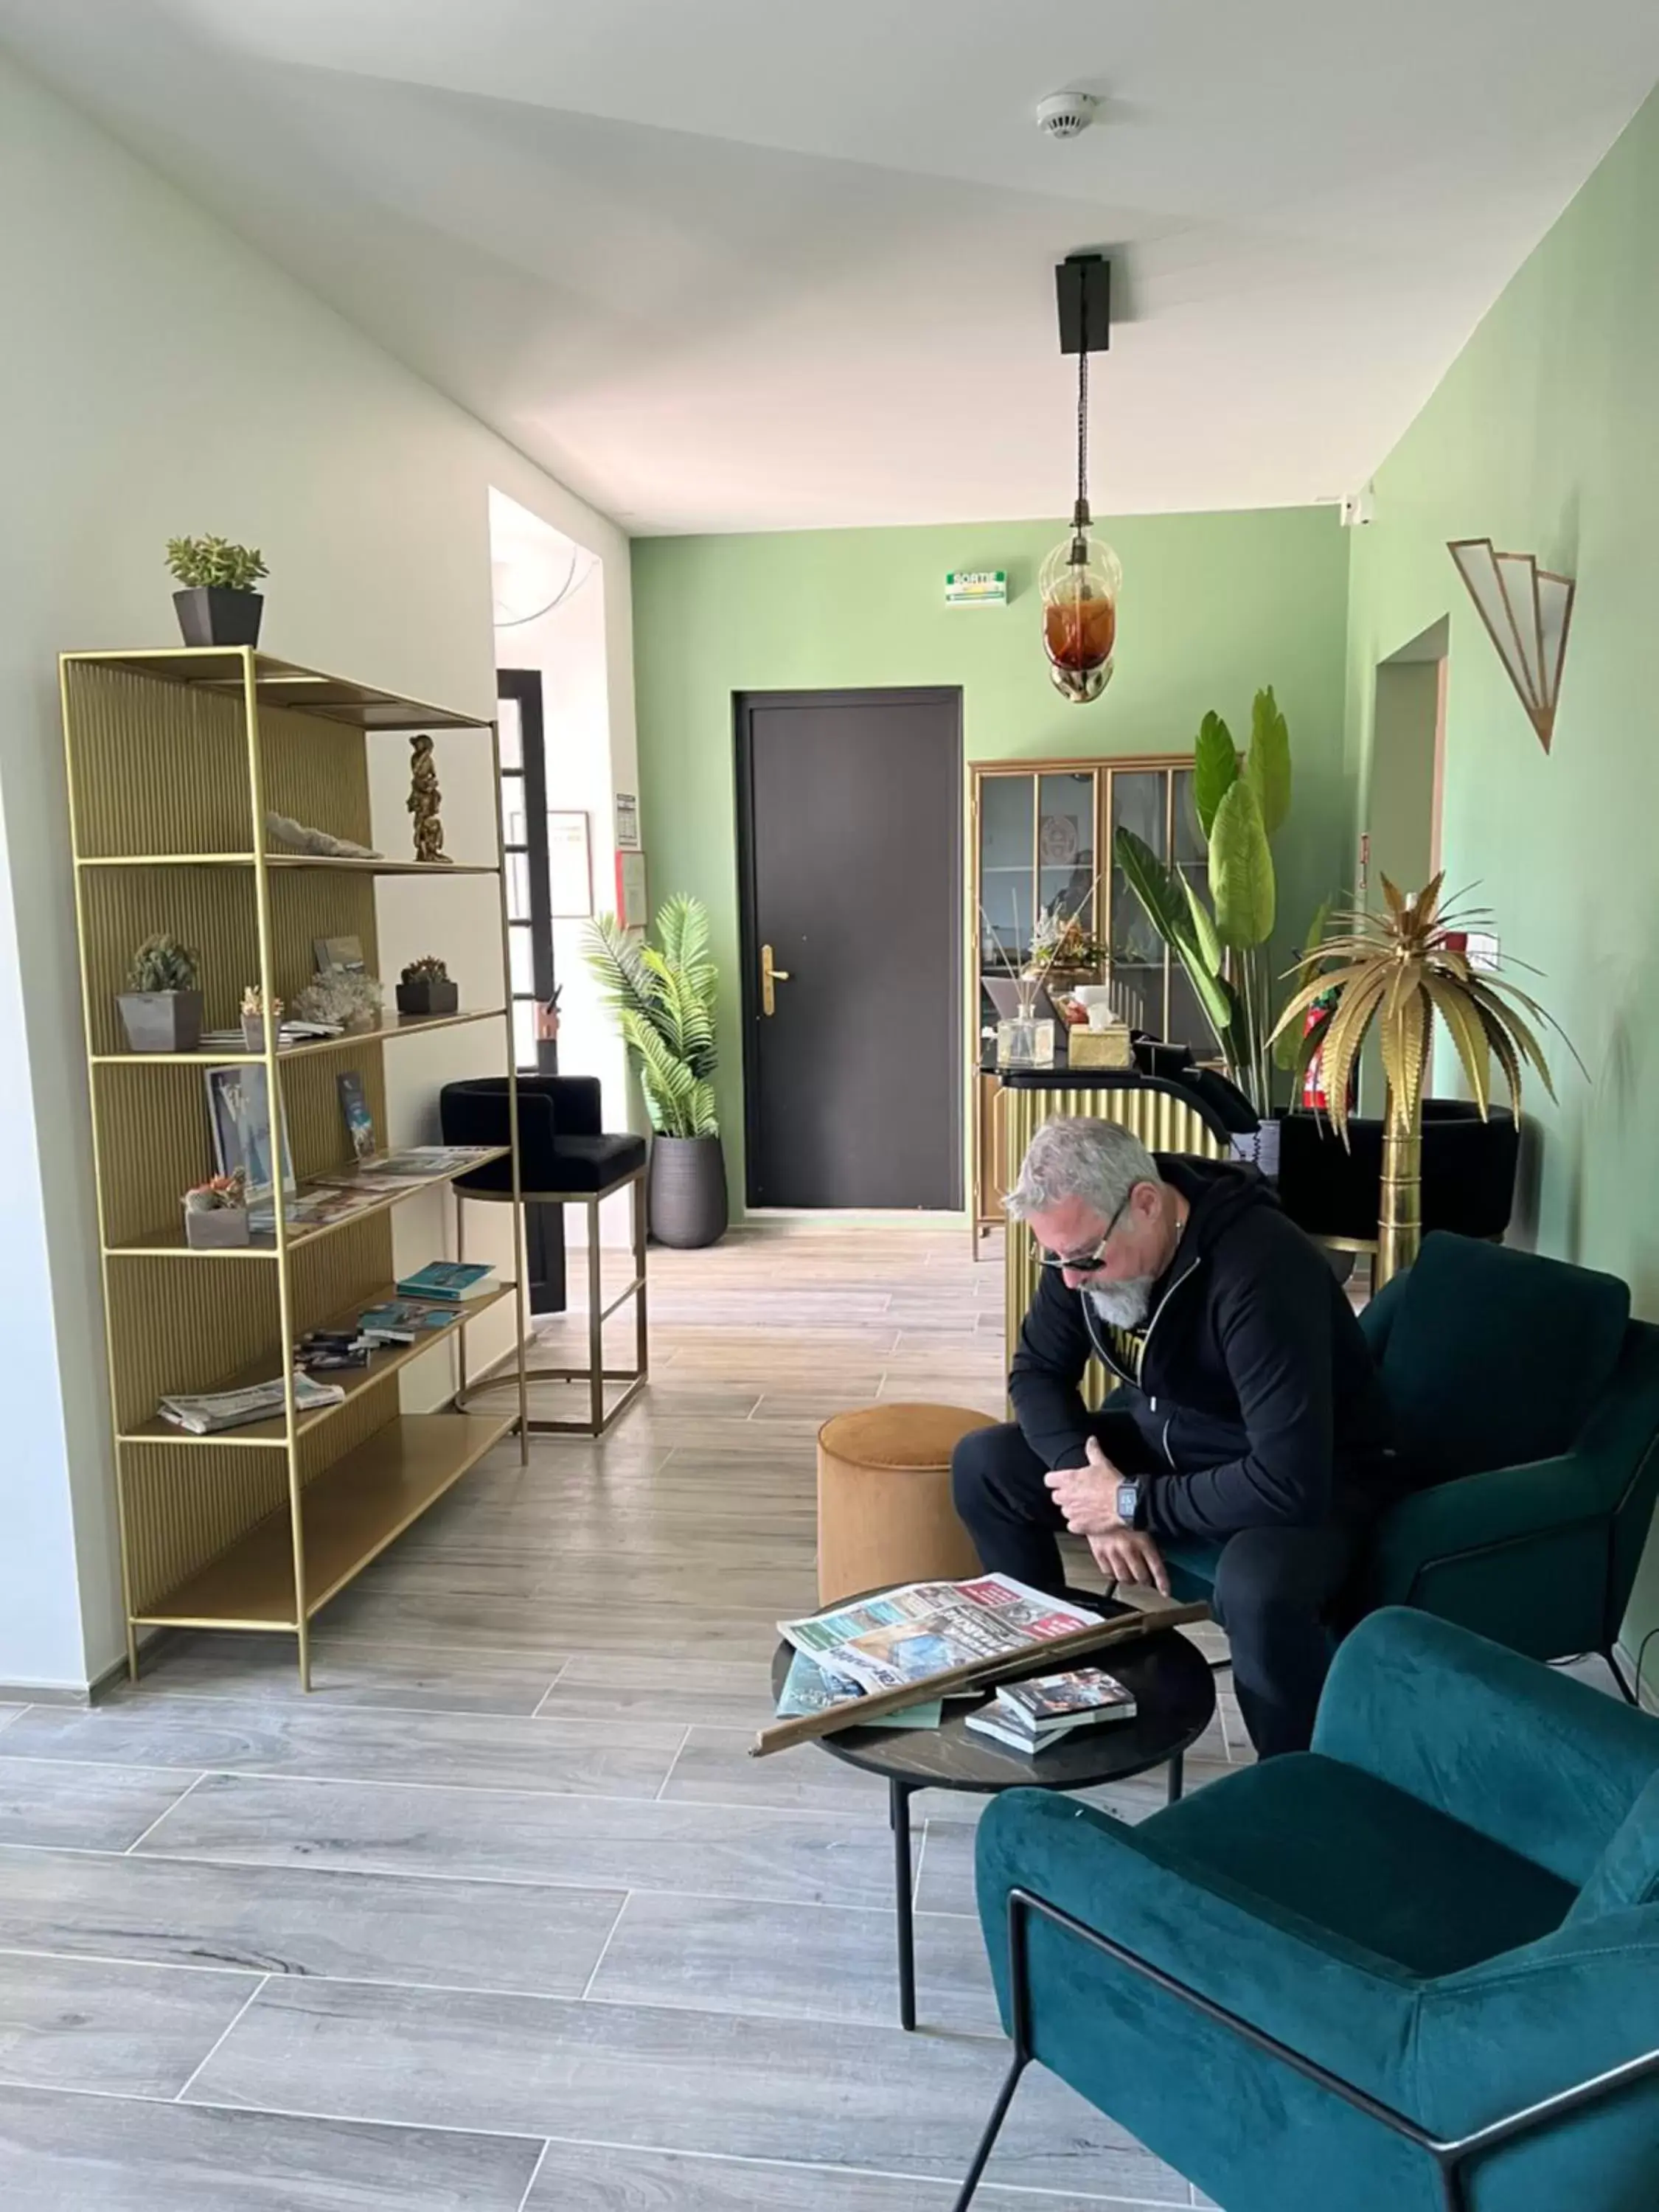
(1250, 1384)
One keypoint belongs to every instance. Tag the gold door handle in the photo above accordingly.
(769, 975)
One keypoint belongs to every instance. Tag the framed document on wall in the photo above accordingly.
(569, 867)
(632, 908)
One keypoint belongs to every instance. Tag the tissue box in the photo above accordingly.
(1110, 1047)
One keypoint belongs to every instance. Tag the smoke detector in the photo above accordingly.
(1064, 114)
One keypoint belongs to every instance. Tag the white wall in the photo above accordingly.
(159, 376)
(591, 755)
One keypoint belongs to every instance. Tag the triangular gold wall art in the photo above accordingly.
(1526, 610)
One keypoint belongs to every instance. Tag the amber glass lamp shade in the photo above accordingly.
(1079, 583)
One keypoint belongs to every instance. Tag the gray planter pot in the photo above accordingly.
(161, 1021)
(686, 1191)
(220, 1229)
(210, 615)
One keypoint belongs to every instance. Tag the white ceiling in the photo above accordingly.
(726, 265)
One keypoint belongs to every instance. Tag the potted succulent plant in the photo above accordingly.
(218, 604)
(253, 1017)
(426, 988)
(162, 1005)
(215, 1214)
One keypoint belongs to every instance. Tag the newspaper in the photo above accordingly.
(924, 1628)
(208, 1412)
(809, 1688)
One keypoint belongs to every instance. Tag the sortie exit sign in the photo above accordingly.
(976, 587)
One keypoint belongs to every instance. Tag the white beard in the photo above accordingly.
(1125, 1305)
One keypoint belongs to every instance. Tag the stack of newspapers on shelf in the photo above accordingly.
(1030, 1715)
(908, 1634)
(207, 1412)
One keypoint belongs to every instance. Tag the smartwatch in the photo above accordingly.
(1129, 1502)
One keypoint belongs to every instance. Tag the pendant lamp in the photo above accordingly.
(1081, 579)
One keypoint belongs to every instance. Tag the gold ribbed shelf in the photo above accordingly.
(176, 757)
(371, 1497)
(353, 1380)
(208, 1056)
(168, 1243)
(338, 863)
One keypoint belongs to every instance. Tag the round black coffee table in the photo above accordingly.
(1175, 1702)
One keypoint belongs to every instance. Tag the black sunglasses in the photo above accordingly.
(1086, 1263)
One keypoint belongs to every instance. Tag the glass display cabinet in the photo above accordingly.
(1043, 834)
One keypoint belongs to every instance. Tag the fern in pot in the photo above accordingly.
(662, 993)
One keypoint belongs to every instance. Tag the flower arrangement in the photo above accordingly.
(215, 1213)
(219, 1193)
(344, 998)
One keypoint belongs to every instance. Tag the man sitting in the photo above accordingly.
(1248, 1415)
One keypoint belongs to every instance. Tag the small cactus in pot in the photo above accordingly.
(253, 1017)
(425, 989)
(162, 1005)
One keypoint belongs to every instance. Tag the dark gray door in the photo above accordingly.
(850, 834)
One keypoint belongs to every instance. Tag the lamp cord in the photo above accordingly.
(1081, 516)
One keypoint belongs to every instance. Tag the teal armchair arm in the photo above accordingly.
(1295, 1981)
(1544, 1764)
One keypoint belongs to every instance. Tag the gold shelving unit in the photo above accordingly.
(174, 758)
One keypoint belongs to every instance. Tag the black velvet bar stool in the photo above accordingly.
(565, 1158)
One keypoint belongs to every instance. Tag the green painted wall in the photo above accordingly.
(1213, 606)
(1545, 436)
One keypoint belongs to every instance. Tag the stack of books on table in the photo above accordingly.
(1030, 1715)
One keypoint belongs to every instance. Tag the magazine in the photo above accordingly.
(924, 1628)
(360, 1123)
(1061, 1701)
(206, 1412)
(238, 1109)
(415, 1164)
(452, 1281)
(810, 1688)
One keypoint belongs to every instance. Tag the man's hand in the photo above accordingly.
(1087, 1495)
(1127, 1555)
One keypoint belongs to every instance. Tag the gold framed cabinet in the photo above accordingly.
(1039, 832)
(175, 758)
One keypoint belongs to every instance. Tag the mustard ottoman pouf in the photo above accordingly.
(884, 1510)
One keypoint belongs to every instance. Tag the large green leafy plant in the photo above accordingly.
(1222, 945)
(663, 997)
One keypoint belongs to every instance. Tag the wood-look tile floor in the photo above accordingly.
(501, 1918)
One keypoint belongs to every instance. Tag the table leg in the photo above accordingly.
(1178, 1777)
(898, 1808)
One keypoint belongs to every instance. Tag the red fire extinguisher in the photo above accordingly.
(1313, 1079)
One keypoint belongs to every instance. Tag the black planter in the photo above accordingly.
(427, 998)
(686, 1191)
(212, 615)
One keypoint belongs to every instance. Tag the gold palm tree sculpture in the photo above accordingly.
(1399, 968)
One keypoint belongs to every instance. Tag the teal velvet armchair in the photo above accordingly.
(1415, 1969)
(1525, 1404)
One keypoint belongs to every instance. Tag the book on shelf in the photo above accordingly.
(927, 1628)
(206, 1412)
(451, 1281)
(354, 1109)
(290, 1031)
(402, 1321)
(1030, 1715)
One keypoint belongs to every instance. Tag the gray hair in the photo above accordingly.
(1071, 1157)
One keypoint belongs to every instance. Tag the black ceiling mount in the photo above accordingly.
(1082, 287)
